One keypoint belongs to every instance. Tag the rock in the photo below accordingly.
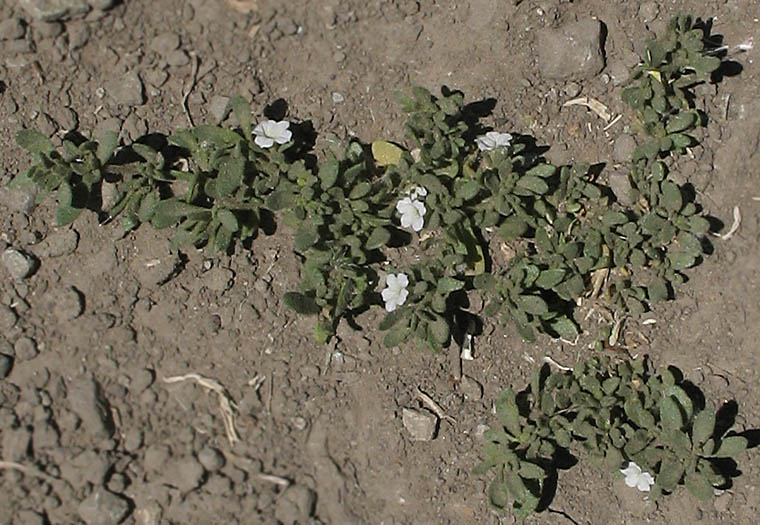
(78, 34)
(127, 90)
(69, 304)
(178, 58)
(573, 51)
(648, 11)
(165, 43)
(149, 514)
(86, 400)
(29, 517)
(211, 459)
(219, 108)
(185, 473)
(471, 389)
(218, 279)
(12, 29)
(295, 505)
(723, 502)
(421, 424)
(6, 365)
(18, 264)
(156, 457)
(141, 380)
(103, 508)
(622, 151)
(88, 467)
(45, 435)
(47, 29)
(133, 440)
(17, 200)
(62, 242)
(117, 483)
(620, 184)
(50, 10)
(25, 348)
(218, 485)
(8, 318)
(16, 443)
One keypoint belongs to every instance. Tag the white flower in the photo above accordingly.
(634, 477)
(268, 132)
(417, 191)
(395, 292)
(412, 213)
(492, 140)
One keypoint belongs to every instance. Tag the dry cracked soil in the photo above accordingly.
(93, 322)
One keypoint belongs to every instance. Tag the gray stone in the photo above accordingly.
(218, 279)
(185, 473)
(219, 108)
(211, 459)
(47, 29)
(421, 424)
(178, 58)
(156, 457)
(11, 29)
(127, 90)
(87, 401)
(50, 10)
(8, 318)
(69, 304)
(16, 443)
(141, 380)
(18, 264)
(165, 43)
(623, 148)
(648, 11)
(30, 517)
(6, 365)
(573, 51)
(45, 435)
(17, 200)
(25, 348)
(620, 184)
(103, 508)
(295, 505)
(78, 33)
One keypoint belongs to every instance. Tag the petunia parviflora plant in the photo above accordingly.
(412, 211)
(395, 293)
(635, 477)
(269, 132)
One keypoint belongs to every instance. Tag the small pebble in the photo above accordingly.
(8, 318)
(25, 349)
(141, 380)
(421, 424)
(211, 459)
(11, 29)
(337, 98)
(18, 264)
(103, 507)
(118, 483)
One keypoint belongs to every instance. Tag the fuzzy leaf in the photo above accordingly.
(699, 486)
(228, 220)
(391, 318)
(230, 176)
(530, 470)
(242, 111)
(328, 173)
(671, 471)
(550, 278)
(106, 145)
(657, 290)
(512, 228)
(306, 236)
(730, 446)
(533, 184)
(280, 199)
(565, 327)
(671, 196)
(533, 304)
(681, 122)
(396, 337)
(439, 329)
(385, 153)
(681, 260)
(301, 303)
(542, 170)
(703, 427)
(33, 141)
(670, 414)
(378, 238)
(446, 285)
(468, 190)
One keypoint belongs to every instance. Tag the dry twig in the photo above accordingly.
(433, 406)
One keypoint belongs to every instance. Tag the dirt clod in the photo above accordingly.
(103, 508)
(572, 51)
(87, 401)
(295, 505)
(421, 424)
(18, 264)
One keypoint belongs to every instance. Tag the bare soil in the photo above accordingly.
(104, 319)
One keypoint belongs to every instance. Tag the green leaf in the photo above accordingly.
(498, 494)
(230, 176)
(565, 327)
(439, 329)
(391, 318)
(730, 446)
(280, 199)
(66, 215)
(385, 153)
(671, 471)
(512, 228)
(530, 470)
(106, 145)
(614, 218)
(699, 225)
(396, 337)
(446, 285)
(671, 196)
(468, 190)
(681, 260)
(228, 219)
(170, 211)
(657, 290)
(306, 236)
(532, 304)
(328, 173)
(378, 238)
(542, 170)
(533, 184)
(301, 303)
(33, 141)
(507, 411)
(703, 427)
(550, 278)
(699, 486)
(242, 111)
(670, 414)
(705, 64)
(681, 122)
